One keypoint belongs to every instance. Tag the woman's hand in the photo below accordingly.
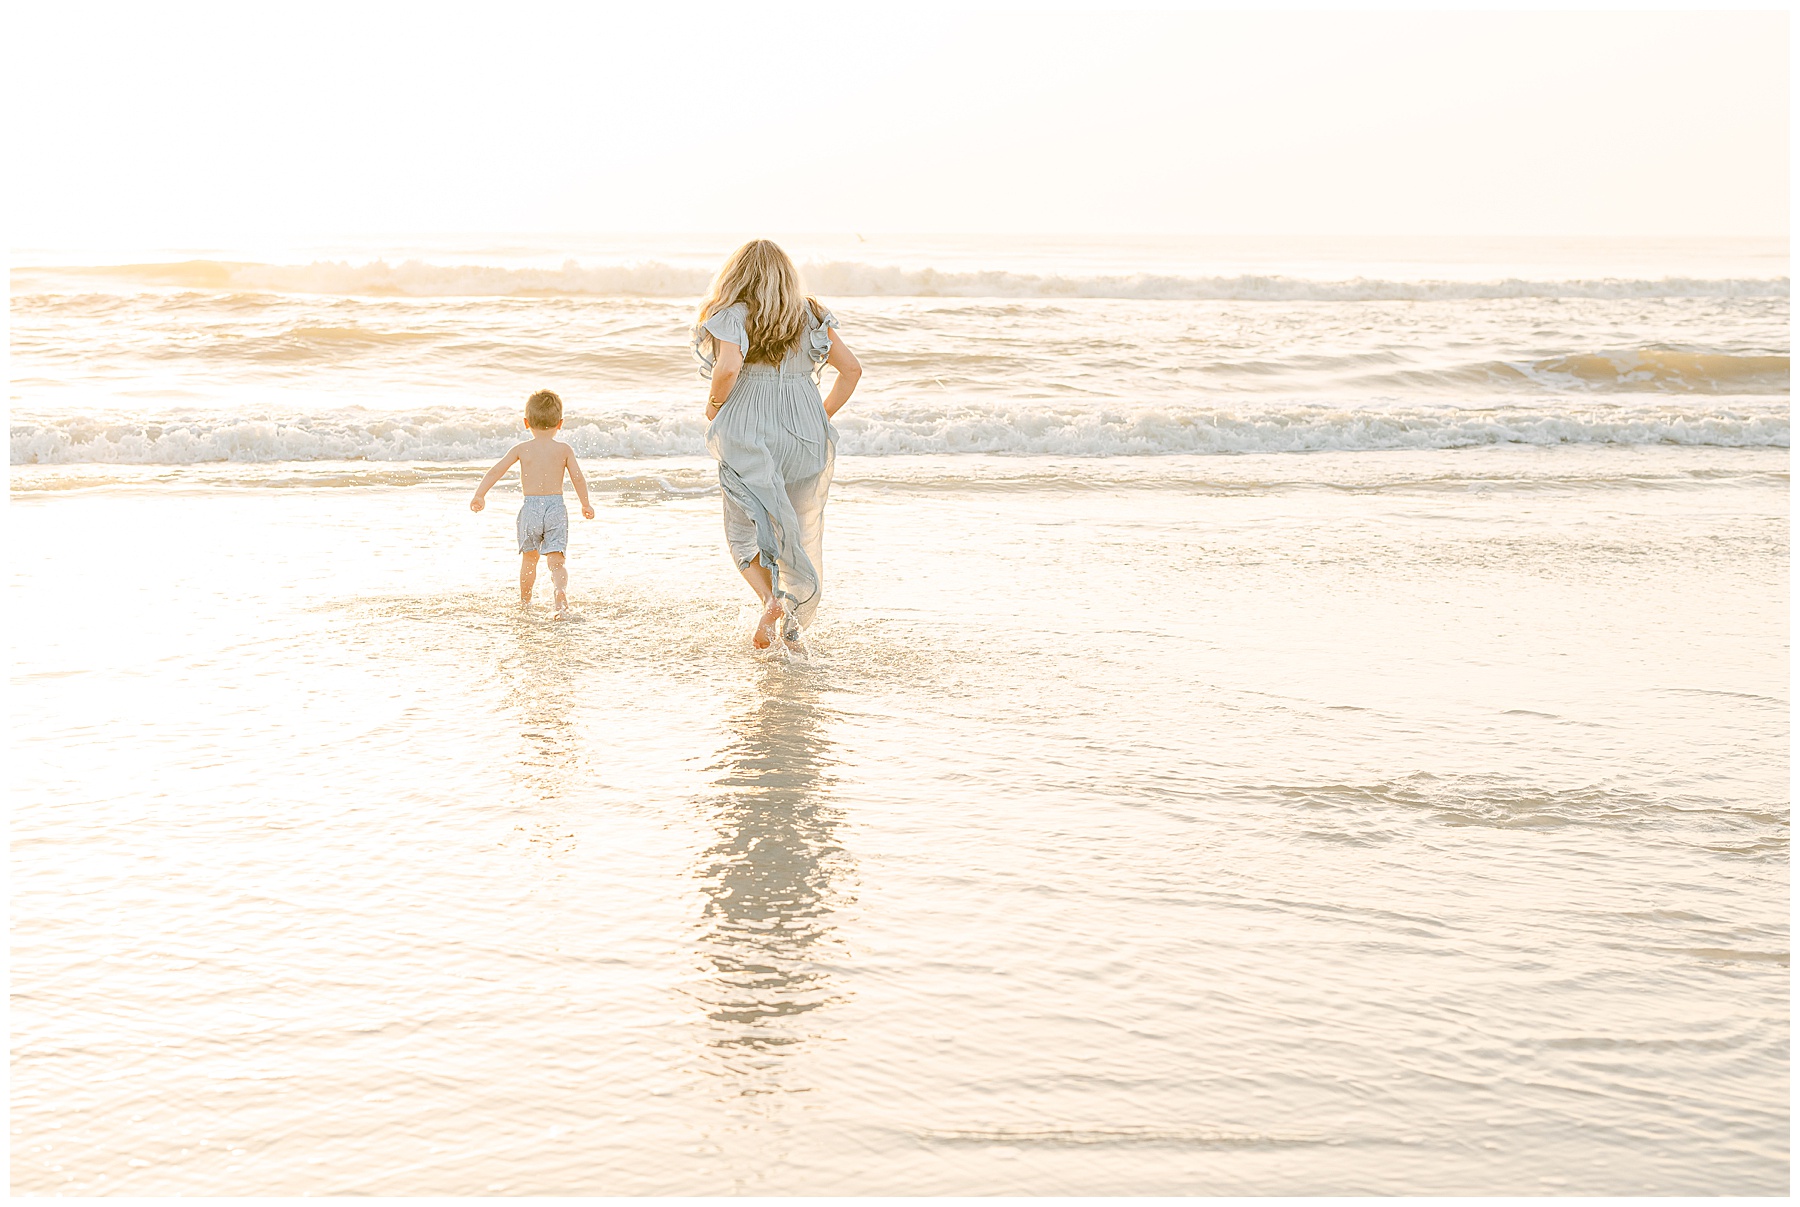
(849, 372)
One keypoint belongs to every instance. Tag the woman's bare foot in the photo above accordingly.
(561, 608)
(768, 626)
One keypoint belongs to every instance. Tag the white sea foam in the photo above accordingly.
(1095, 431)
(415, 278)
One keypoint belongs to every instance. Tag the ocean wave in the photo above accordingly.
(414, 278)
(695, 477)
(875, 431)
(1633, 371)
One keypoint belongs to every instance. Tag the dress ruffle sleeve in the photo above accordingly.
(818, 335)
(728, 325)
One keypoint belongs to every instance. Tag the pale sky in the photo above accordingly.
(165, 123)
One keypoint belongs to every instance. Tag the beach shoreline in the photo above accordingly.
(1245, 825)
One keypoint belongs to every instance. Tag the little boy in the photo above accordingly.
(543, 521)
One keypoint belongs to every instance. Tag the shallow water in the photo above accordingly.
(1405, 822)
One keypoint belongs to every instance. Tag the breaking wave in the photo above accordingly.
(1636, 371)
(1004, 429)
(415, 278)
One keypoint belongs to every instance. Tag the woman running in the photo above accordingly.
(763, 345)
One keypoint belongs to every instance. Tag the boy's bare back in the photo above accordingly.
(542, 464)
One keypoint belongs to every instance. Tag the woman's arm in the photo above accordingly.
(849, 372)
(729, 358)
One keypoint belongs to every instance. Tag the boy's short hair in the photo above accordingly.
(543, 410)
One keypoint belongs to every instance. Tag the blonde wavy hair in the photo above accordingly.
(760, 275)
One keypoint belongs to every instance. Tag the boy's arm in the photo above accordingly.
(575, 476)
(493, 475)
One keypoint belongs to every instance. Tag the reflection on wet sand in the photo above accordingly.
(772, 880)
(538, 695)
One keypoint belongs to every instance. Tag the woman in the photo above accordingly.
(763, 344)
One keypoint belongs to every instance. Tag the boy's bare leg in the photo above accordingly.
(757, 575)
(559, 579)
(527, 574)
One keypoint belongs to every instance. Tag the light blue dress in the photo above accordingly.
(776, 449)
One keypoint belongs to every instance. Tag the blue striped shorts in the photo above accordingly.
(543, 525)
